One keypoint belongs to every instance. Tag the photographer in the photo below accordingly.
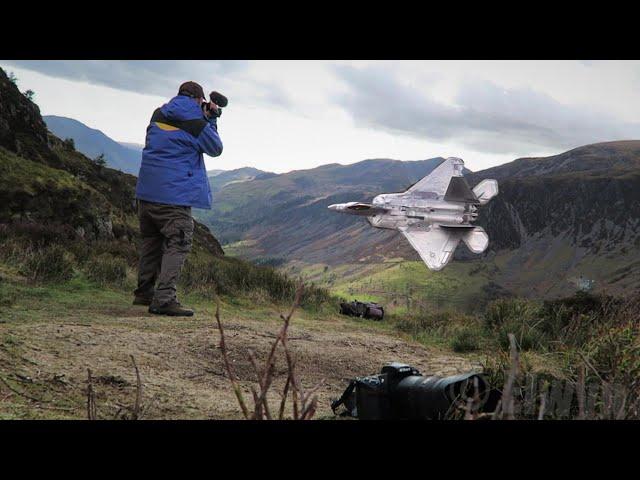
(172, 179)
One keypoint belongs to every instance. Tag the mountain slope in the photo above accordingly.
(286, 216)
(92, 143)
(598, 157)
(556, 219)
(221, 178)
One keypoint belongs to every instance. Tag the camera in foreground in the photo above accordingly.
(400, 392)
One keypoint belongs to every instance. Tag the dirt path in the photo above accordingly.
(181, 365)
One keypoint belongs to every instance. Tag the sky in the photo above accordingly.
(292, 115)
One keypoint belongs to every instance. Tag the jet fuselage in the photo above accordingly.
(408, 209)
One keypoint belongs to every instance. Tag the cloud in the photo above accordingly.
(151, 77)
(163, 77)
(482, 116)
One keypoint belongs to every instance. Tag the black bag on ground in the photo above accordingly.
(362, 309)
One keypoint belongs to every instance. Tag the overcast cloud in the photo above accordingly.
(287, 115)
(484, 116)
(151, 77)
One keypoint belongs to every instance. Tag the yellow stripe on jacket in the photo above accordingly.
(166, 127)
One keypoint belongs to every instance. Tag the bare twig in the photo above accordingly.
(137, 405)
(473, 403)
(543, 405)
(227, 364)
(498, 411)
(508, 401)
(284, 398)
(586, 361)
(580, 392)
(91, 398)
(296, 389)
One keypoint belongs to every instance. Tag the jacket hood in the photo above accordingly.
(181, 107)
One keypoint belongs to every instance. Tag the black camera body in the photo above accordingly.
(400, 392)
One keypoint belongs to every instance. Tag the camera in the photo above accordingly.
(218, 99)
(400, 392)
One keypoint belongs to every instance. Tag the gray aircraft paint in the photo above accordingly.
(434, 214)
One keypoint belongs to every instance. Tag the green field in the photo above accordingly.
(403, 285)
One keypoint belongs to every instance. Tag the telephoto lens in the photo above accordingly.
(218, 99)
(418, 397)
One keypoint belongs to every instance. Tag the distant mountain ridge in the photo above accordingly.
(221, 178)
(599, 157)
(93, 142)
(133, 146)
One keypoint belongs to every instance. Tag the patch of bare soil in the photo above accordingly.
(181, 364)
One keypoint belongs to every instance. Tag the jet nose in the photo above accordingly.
(335, 206)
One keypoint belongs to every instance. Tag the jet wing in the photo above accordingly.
(435, 245)
(438, 180)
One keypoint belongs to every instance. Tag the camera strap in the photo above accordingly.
(343, 398)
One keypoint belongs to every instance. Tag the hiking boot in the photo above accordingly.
(142, 300)
(173, 309)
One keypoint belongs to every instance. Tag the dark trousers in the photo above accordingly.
(167, 235)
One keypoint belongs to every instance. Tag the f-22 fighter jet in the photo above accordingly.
(434, 214)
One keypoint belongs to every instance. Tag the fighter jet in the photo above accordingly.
(434, 214)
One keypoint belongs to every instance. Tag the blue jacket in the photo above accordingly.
(173, 169)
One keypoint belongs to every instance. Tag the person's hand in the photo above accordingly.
(211, 110)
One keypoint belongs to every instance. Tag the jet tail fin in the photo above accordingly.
(486, 190)
(459, 191)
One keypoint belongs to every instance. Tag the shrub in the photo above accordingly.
(573, 318)
(464, 340)
(461, 332)
(37, 234)
(270, 261)
(517, 316)
(505, 311)
(100, 160)
(615, 352)
(614, 344)
(230, 276)
(70, 144)
(116, 248)
(48, 264)
(432, 322)
(105, 269)
(7, 297)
